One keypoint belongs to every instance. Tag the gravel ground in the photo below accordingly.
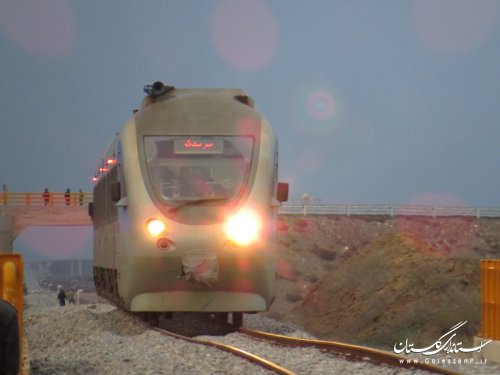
(100, 339)
(97, 338)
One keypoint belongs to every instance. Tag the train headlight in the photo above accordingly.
(155, 227)
(243, 228)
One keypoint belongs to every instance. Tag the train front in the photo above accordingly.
(199, 229)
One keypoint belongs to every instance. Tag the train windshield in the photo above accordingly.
(185, 168)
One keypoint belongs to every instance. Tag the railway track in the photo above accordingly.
(354, 352)
(339, 350)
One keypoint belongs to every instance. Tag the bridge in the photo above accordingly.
(21, 210)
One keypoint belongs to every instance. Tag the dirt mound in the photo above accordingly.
(377, 280)
(389, 291)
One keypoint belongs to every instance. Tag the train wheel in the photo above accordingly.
(221, 317)
(237, 319)
(154, 319)
(151, 318)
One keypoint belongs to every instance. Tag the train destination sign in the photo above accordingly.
(192, 145)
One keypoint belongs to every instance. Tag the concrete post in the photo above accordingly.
(305, 201)
(6, 233)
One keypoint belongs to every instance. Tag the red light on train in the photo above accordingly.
(111, 162)
(103, 170)
(94, 179)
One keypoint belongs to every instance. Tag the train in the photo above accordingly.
(185, 206)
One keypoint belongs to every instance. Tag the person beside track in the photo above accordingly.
(61, 296)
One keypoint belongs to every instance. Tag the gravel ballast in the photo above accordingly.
(98, 338)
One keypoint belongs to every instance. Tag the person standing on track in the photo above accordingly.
(9, 339)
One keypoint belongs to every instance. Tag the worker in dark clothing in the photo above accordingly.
(9, 339)
(61, 296)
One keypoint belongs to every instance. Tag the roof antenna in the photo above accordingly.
(157, 89)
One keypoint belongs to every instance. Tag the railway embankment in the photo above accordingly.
(379, 279)
(369, 280)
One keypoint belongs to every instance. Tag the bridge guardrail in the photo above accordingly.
(388, 210)
(45, 199)
(77, 198)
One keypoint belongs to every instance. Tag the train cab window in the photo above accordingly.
(189, 168)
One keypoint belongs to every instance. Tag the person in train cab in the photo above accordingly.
(61, 296)
(167, 181)
(195, 183)
(67, 196)
(46, 196)
(186, 188)
(202, 183)
(9, 339)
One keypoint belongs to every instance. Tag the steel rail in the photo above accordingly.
(353, 351)
(231, 349)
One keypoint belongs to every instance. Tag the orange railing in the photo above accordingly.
(490, 295)
(45, 199)
(11, 285)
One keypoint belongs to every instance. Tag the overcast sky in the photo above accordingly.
(372, 101)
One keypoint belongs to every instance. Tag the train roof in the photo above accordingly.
(158, 91)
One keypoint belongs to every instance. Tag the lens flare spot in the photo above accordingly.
(320, 105)
(243, 265)
(285, 270)
(244, 33)
(45, 28)
(243, 285)
(435, 199)
(441, 237)
(316, 299)
(438, 236)
(310, 163)
(57, 242)
(315, 109)
(247, 125)
(454, 27)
